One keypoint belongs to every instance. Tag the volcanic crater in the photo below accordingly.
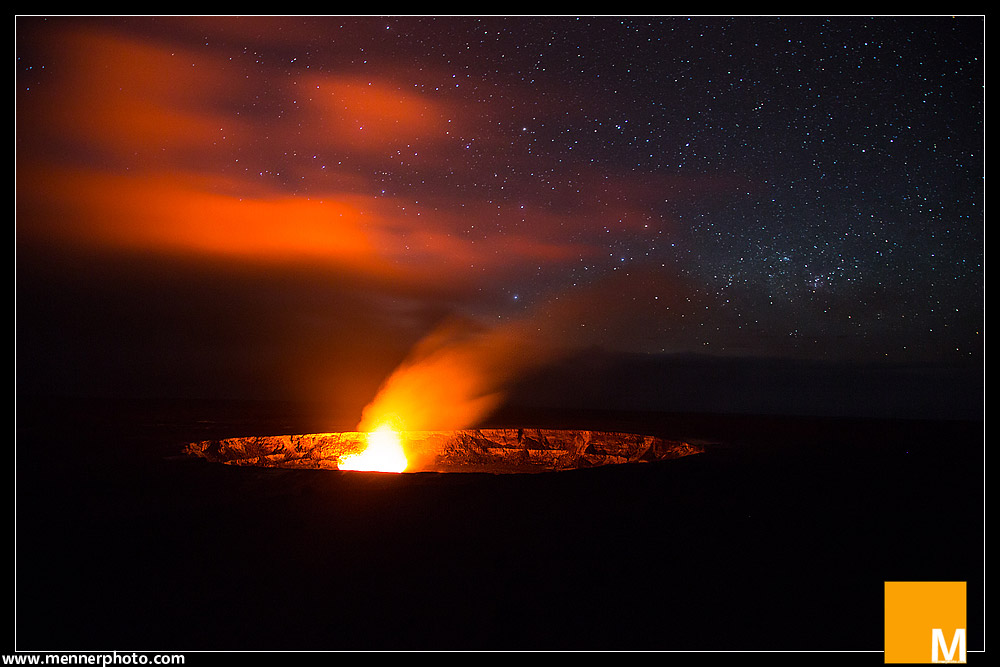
(495, 450)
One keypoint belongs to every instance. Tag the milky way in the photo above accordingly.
(807, 188)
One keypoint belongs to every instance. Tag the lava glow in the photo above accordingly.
(383, 454)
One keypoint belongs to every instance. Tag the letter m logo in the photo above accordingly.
(938, 646)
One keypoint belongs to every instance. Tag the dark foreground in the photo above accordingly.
(779, 537)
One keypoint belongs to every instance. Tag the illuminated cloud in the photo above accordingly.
(370, 114)
(456, 376)
(121, 99)
(139, 146)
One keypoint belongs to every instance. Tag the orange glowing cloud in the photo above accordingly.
(371, 114)
(134, 144)
(436, 238)
(122, 96)
(454, 377)
(177, 214)
(196, 215)
(460, 373)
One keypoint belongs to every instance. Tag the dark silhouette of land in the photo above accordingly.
(779, 536)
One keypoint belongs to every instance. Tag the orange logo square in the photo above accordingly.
(925, 621)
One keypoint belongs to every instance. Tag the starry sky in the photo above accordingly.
(286, 206)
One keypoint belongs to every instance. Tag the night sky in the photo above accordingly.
(283, 207)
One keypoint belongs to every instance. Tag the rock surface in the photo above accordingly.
(472, 450)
